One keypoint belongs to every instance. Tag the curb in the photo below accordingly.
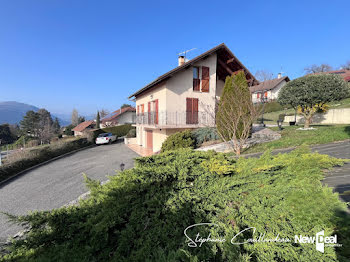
(44, 163)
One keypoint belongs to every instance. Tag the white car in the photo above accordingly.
(105, 138)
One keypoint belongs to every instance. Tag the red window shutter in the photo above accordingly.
(138, 110)
(188, 110)
(149, 112)
(195, 111)
(143, 108)
(258, 95)
(205, 79)
(266, 94)
(156, 119)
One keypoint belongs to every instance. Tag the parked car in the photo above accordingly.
(105, 138)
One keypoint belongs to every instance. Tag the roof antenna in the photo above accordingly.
(184, 53)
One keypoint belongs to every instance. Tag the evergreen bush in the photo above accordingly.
(205, 134)
(141, 214)
(184, 139)
(131, 133)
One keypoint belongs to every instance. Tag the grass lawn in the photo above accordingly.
(292, 137)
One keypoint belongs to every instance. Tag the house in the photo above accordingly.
(122, 116)
(83, 127)
(344, 73)
(269, 89)
(185, 97)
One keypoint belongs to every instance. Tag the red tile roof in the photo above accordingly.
(345, 74)
(268, 84)
(82, 126)
(113, 116)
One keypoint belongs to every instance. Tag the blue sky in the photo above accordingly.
(89, 55)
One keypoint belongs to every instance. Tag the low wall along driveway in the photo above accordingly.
(333, 116)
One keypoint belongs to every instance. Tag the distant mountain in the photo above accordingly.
(12, 112)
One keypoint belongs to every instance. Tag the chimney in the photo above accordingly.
(279, 75)
(181, 60)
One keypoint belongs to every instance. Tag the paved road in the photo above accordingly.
(59, 182)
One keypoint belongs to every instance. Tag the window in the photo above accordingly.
(195, 72)
(142, 108)
(196, 80)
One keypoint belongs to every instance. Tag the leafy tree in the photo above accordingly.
(98, 120)
(236, 112)
(125, 105)
(310, 93)
(6, 136)
(75, 118)
(318, 68)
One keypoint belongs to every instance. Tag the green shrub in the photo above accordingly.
(118, 131)
(141, 214)
(131, 133)
(179, 140)
(205, 134)
(31, 157)
(272, 106)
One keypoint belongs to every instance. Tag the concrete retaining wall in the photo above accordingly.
(333, 116)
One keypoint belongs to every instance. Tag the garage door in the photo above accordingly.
(149, 139)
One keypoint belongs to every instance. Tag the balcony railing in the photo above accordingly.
(175, 119)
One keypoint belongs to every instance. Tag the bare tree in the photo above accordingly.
(263, 75)
(317, 68)
(103, 113)
(75, 117)
(236, 112)
(346, 65)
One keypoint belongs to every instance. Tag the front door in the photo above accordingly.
(149, 139)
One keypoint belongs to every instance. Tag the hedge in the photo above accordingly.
(32, 157)
(118, 131)
(141, 214)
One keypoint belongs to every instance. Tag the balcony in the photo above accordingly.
(167, 119)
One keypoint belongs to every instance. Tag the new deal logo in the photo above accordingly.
(320, 240)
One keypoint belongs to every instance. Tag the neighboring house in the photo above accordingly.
(345, 74)
(269, 89)
(126, 115)
(83, 127)
(185, 97)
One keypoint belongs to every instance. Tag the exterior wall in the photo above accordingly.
(159, 136)
(333, 116)
(172, 96)
(271, 94)
(127, 118)
(158, 93)
(219, 88)
(180, 86)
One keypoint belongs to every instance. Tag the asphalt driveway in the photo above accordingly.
(59, 182)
